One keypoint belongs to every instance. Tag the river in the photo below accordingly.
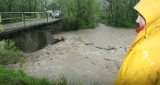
(86, 56)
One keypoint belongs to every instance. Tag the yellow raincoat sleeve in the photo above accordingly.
(142, 67)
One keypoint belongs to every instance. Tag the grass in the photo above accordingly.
(12, 77)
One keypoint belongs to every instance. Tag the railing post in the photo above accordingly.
(24, 19)
(47, 17)
(1, 28)
(10, 16)
(38, 15)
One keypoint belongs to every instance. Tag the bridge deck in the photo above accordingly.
(7, 28)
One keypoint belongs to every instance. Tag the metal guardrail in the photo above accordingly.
(23, 17)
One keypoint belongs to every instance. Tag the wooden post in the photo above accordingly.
(24, 19)
(1, 28)
(38, 15)
(10, 16)
(22, 16)
(47, 17)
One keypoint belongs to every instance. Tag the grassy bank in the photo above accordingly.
(12, 77)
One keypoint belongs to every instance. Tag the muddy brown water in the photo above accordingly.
(86, 56)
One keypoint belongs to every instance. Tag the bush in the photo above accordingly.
(9, 53)
(79, 14)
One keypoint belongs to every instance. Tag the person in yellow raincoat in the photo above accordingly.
(141, 65)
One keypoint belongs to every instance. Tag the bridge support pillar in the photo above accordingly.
(1, 28)
(28, 40)
(45, 38)
(32, 41)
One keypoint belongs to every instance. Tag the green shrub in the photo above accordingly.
(79, 14)
(9, 53)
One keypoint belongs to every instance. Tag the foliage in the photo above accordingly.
(21, 6)
(10, 45)
(62, 80)
(79, 14)
(9, 53)
(119, 13)
(12, 77)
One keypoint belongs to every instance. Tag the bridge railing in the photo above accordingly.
(21, 17)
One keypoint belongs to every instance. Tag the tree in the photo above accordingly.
(79, 13)
(22, 5)
(3, 5)
(120, 12)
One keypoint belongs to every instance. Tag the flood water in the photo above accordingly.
(86, 56)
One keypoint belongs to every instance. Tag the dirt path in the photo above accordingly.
(86, 57)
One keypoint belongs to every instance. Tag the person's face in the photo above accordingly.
(140, 20)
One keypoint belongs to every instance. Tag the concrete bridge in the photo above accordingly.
(30, 30)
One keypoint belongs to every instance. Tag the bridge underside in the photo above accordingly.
(33, 38)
